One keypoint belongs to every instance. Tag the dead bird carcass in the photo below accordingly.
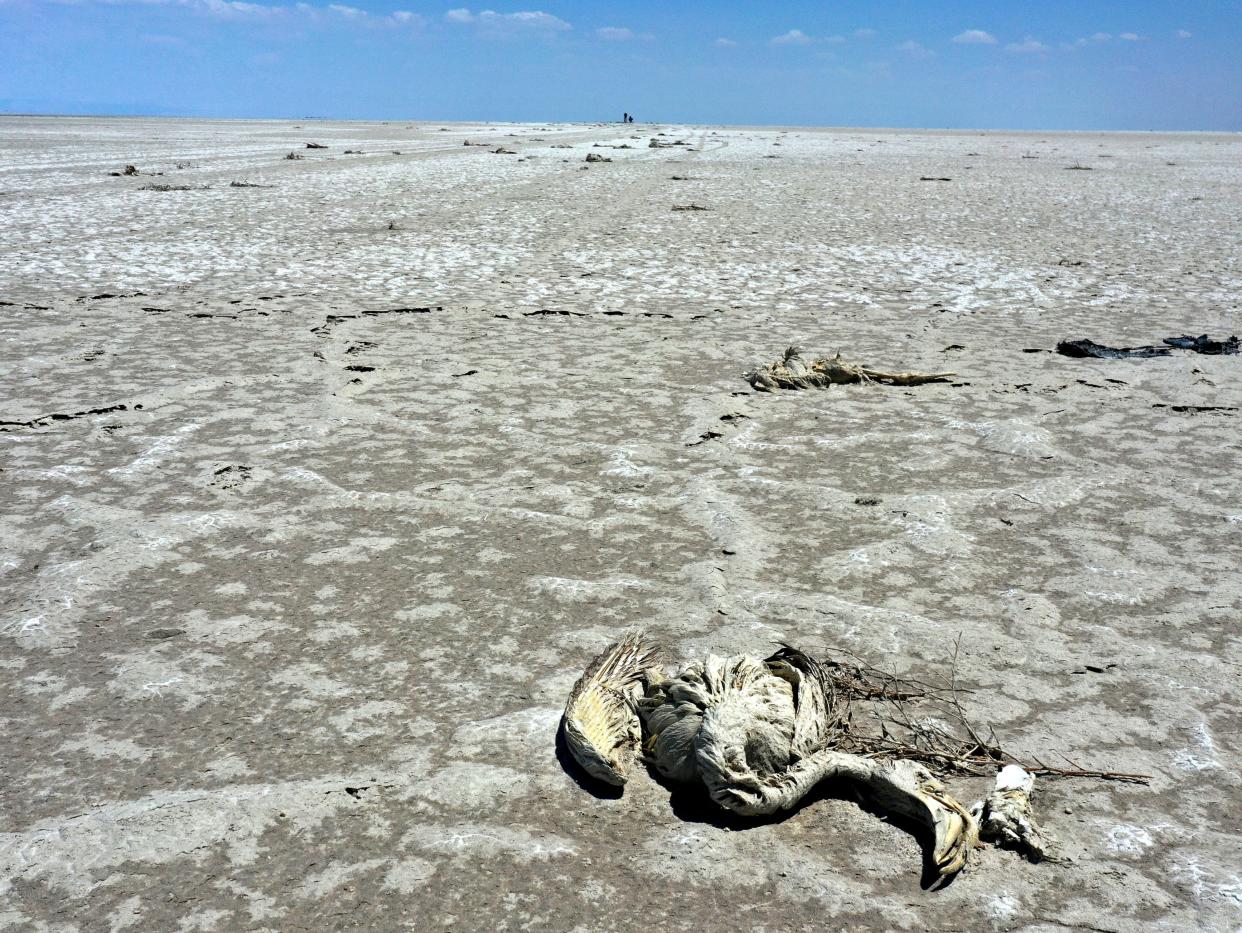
(793, 372)
(758, 734)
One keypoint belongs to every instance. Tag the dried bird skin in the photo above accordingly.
(792, 372)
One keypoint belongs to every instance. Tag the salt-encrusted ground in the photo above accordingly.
(309, 523)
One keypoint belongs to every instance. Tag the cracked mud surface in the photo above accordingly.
(293, 586)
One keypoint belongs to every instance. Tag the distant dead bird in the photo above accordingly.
(792, 372)
(758, 734)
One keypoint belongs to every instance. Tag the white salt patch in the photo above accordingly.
(1002, 907)
(1189, 871)
(1128, 839)
(1201, 756)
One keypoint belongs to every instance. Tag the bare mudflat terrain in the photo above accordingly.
(318, 491)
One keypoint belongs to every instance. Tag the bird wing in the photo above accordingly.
(601, 719)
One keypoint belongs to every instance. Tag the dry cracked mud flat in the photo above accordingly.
(316, 498)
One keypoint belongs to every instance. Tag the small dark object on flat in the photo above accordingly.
(248, 184)
(867, 500)
(1204, 344)
(705, 437)
(1196, 409)
(934, 178)
(690, 207)
(1200, 344)
(374, 312)
(293, 156)
(316, 146)
(1085, 348)
(130, 170)
(501, 150)
(594, 157)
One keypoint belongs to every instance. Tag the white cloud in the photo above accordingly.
(1027, 46)
(913, 49)
(523, 21)
(793, 37)
(798, 37)
(975, 37)
(1183, 34)
(241, 11)
(1098, 38)
(864, 33)
(237, 9)
(724, 43)
(615, 33)
(1129, 36)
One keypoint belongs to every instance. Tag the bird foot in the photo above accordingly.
(1005, 816)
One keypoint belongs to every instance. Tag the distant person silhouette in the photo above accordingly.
(625, 118)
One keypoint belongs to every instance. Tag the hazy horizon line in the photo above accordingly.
(815, 126)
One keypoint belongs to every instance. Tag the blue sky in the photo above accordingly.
(1139, 65)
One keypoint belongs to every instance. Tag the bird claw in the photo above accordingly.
(953, 849)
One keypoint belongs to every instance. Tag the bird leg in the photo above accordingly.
(1005, 814)
(910, 790)
(906, 378)
(902, 787)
